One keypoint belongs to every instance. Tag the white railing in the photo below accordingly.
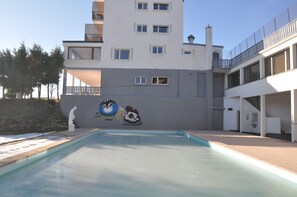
(281, 34)
(82, 90)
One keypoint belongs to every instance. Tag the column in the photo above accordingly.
(263, 115)
(64, 80)
(293, 57)
(241, 114)
(209, 96)
(293, 115)
(241, 76)
(262, 68)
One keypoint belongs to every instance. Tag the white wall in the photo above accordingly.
(248, 123)
(277, 83)
(121, 19)
(232, 106)
(279, 105)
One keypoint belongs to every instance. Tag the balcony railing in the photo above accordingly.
(278, 29)
(285, 32)
(98, 11)
(249, 53)
(222, 64)
(93, 32)
(82, 90)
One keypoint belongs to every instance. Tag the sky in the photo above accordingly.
(49, 22)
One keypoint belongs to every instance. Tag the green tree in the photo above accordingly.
(19, 79)
(6, 59)
(56, 66)
(38, 67)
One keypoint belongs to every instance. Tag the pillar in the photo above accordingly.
(241, 114)
(293, 56)
(263, 115)
(293, 115)
(241, 76)
(209, 96)
(262, 68)
(64, 80)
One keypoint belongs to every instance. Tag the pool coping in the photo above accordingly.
(228, 151)
(195, 137)
(65, 137)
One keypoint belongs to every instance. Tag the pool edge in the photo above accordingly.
(236, 155)
(15, 162)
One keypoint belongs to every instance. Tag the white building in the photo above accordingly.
(261, 95)
(134, 55)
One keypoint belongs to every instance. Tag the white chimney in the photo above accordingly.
(191, 39)
(209, 50)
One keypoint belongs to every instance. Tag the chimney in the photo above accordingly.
(191, 39)
(209, 50)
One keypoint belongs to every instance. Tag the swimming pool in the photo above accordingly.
(140, 163)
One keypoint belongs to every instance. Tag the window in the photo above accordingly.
(142, 6)
(121, 54)
(252, 73)
(160, 29)
(233, 79)
(140, 80)
(160, 80)
(157, 50)
(277, 63)
(161, 6)
(84, 53)
(141, 28)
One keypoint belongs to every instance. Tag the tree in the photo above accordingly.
(19, 78)
(56, 65)
(38, 67)
(23, 70)
(6, 59)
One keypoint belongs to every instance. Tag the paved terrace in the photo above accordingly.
(275, 152)
(16, 151)
(279, 153)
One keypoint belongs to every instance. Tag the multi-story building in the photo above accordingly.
(134, 69)
(261, 87)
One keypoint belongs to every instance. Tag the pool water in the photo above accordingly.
(141, 165)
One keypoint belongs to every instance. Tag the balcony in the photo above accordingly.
(98, 12)
(221, 66)
(82, 54)
(281, 34)
(94, 32)
(82, 90)
(82, 82)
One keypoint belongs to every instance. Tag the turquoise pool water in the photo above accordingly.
(140, 164)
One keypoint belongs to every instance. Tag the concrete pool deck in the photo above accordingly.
(278, 153)
(19, 150)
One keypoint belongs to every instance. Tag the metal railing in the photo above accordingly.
(288, 16)
(250, 52)
(272, 32)
(222, 63)
(82, 90)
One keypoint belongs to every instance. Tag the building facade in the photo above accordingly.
(260, 89)
(133, 69)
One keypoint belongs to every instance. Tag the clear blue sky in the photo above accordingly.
(49, 22)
